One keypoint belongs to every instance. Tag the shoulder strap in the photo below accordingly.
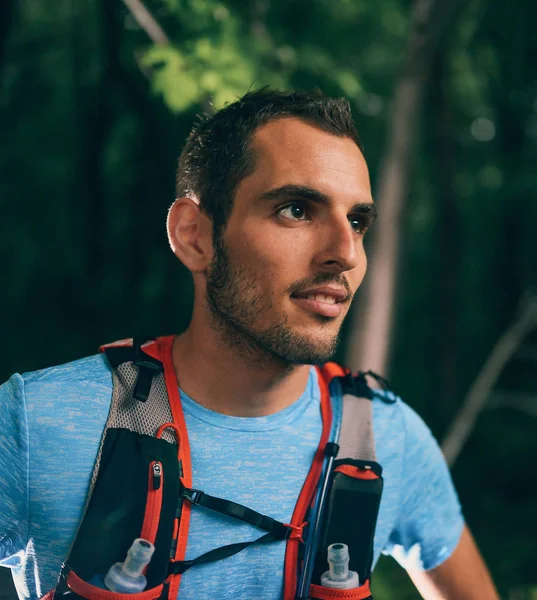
(347, 504)
(356, 439)
(356, 436)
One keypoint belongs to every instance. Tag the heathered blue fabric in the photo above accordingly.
(51, 423)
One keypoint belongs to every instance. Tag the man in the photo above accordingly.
(273, 204)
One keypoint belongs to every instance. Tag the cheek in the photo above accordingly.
(267, 250)
(360, 270)
(273, 265)
(260, 263)
(356, 275)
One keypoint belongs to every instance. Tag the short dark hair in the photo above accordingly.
(218, 152)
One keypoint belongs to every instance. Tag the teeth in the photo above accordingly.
(322, 298)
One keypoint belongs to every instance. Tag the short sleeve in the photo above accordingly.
(13, 472)
(430, 522)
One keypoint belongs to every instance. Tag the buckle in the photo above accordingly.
(356, 385)
(389, 397)
(192, 495)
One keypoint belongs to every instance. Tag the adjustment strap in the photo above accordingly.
(238, 511)
(148, 367)
(180, 566)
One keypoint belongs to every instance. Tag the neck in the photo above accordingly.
(216, 376)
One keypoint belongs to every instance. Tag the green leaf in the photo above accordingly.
(165, 56)
(179, 89)
(349, 83)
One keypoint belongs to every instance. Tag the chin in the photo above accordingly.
(317, 348)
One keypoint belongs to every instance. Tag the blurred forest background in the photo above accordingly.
(96, 101)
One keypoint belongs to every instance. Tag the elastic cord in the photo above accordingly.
(311, 543)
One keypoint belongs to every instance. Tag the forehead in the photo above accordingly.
(292, 151)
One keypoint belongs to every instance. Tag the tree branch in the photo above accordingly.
(147, 22)
(517, 401)
(481, 388)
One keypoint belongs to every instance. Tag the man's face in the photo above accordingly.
(291, 256)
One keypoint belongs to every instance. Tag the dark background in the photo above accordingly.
(94, 114)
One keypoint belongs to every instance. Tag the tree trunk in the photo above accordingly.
(482, 387)
(370, 349)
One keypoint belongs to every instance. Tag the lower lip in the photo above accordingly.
(321, 308)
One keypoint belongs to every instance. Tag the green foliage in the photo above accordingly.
(173, 77)
(216, 62)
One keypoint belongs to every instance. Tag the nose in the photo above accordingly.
(341, 247)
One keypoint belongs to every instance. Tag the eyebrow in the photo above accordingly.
(306, 193)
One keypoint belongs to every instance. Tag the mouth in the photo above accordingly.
(321, 304)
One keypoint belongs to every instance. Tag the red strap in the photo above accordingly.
(331, 370)
(86, 590)
(163, 349)
(177, 432)
(356, 472)
(118, 344)
(151, 347)
(306, 495)
(154, 348)
(323, 593)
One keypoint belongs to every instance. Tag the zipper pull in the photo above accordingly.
(157, 475)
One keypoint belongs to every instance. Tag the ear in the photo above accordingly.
(190, 234)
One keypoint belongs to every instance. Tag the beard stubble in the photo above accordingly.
(237, 306)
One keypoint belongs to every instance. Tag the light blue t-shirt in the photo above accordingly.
(51, 422)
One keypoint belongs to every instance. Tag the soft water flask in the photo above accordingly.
(127, 577)
(339, 576)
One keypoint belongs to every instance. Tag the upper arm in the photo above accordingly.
(463, 576)
(430, 521)
(13, 471)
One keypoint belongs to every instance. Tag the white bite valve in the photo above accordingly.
(127, 577)
(339, 575)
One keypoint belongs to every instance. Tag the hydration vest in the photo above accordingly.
(142, 487)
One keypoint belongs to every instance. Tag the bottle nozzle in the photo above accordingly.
(338, 561)
(138, 557)
(127, 577)
(339, 575)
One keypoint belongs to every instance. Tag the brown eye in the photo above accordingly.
(358, 224)
(294, 211)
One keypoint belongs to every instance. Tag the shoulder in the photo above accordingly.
(396, 422)
(88, 370)
(426, 518)
(70, 388)
(87, 374)
(408, 450)
(67, 406)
